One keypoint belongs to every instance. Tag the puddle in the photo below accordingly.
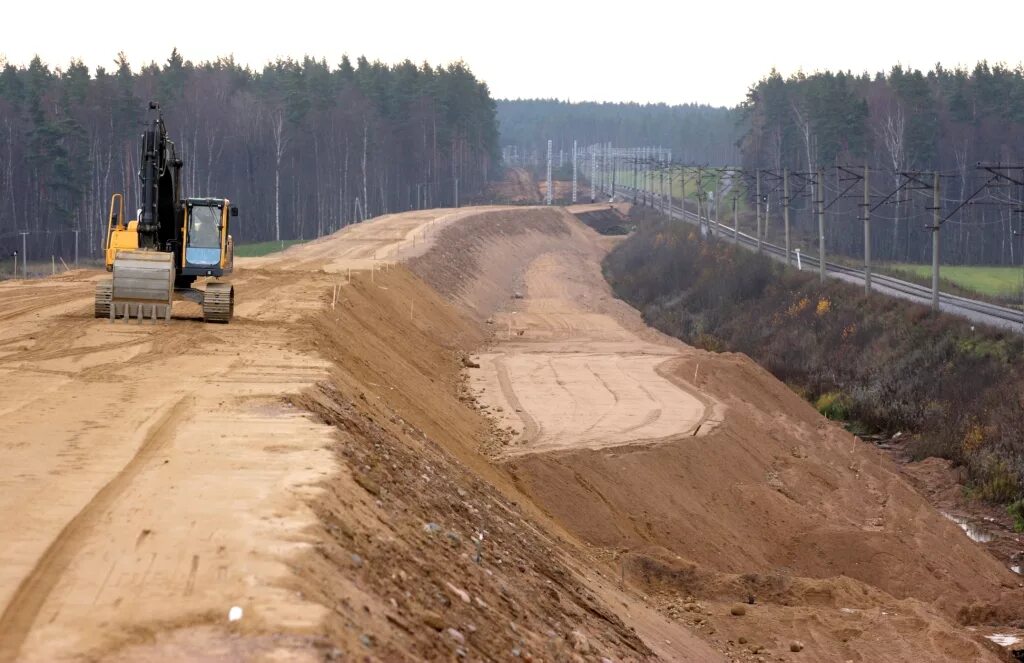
(1003, 639)
(973, 531)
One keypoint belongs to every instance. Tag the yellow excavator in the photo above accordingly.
(173, 242)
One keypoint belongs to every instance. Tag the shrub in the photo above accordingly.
(708, 342)
(998, 484)
(888, 364)
(834, 405)
(1016, 510)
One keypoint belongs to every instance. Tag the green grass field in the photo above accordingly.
(708, 179)
(263, 248)
(1002, 282)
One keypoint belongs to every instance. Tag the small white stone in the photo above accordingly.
(234, 614)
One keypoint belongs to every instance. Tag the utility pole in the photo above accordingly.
(603, 166)
(667, 203)
(735, 221)
(661, 183)
(24, 255)
(574, 170)
(718, 191)
(604, 163)
(76, 247)
(668, 164)
(700, 199)
(593, 174)
(682, 193)
(608, 166)
(821, 224)
(636, 178)
(643, 175)
(936, 216)
(1020, 233)
(614, 168)
(549, 196)
(648, 178)
(785, 211)
(757, 205)
(867, 232)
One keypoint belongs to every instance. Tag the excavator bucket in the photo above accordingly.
(142, 287)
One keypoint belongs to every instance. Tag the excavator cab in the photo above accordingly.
(208, 249)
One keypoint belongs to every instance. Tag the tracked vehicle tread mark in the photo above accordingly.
(218, 302)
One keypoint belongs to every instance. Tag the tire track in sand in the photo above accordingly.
(24, 606)
(533, 429)
(584, 375)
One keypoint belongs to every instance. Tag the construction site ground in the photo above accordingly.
(437, 435)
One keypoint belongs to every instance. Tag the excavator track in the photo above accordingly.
(218, 302)
(104, 295)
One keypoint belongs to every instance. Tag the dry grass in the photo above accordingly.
(892, 365)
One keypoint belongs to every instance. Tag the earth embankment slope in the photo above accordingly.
(769, 502)
(317, 463)
(294, 464)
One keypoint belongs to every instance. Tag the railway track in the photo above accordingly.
(971, 309)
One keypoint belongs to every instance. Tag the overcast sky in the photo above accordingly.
(670, 51)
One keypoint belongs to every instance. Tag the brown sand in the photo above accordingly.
(321, 464)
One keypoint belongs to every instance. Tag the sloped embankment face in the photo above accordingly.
(421, 556)
(776, 508)
(481, 262)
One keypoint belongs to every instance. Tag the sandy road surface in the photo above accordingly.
(386, 239)
(154, 469)
(568, 372)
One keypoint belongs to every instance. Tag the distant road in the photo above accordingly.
(971, 309)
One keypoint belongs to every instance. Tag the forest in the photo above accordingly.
(696, 134)
(902, 121)
(302, 147)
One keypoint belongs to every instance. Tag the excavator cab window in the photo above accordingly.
(204, 233)
(204, 227)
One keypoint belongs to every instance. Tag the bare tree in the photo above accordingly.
(280, 144)
(893, 135)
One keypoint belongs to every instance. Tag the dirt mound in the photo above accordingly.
(774, 491)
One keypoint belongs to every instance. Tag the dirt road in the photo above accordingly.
(156, 469)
